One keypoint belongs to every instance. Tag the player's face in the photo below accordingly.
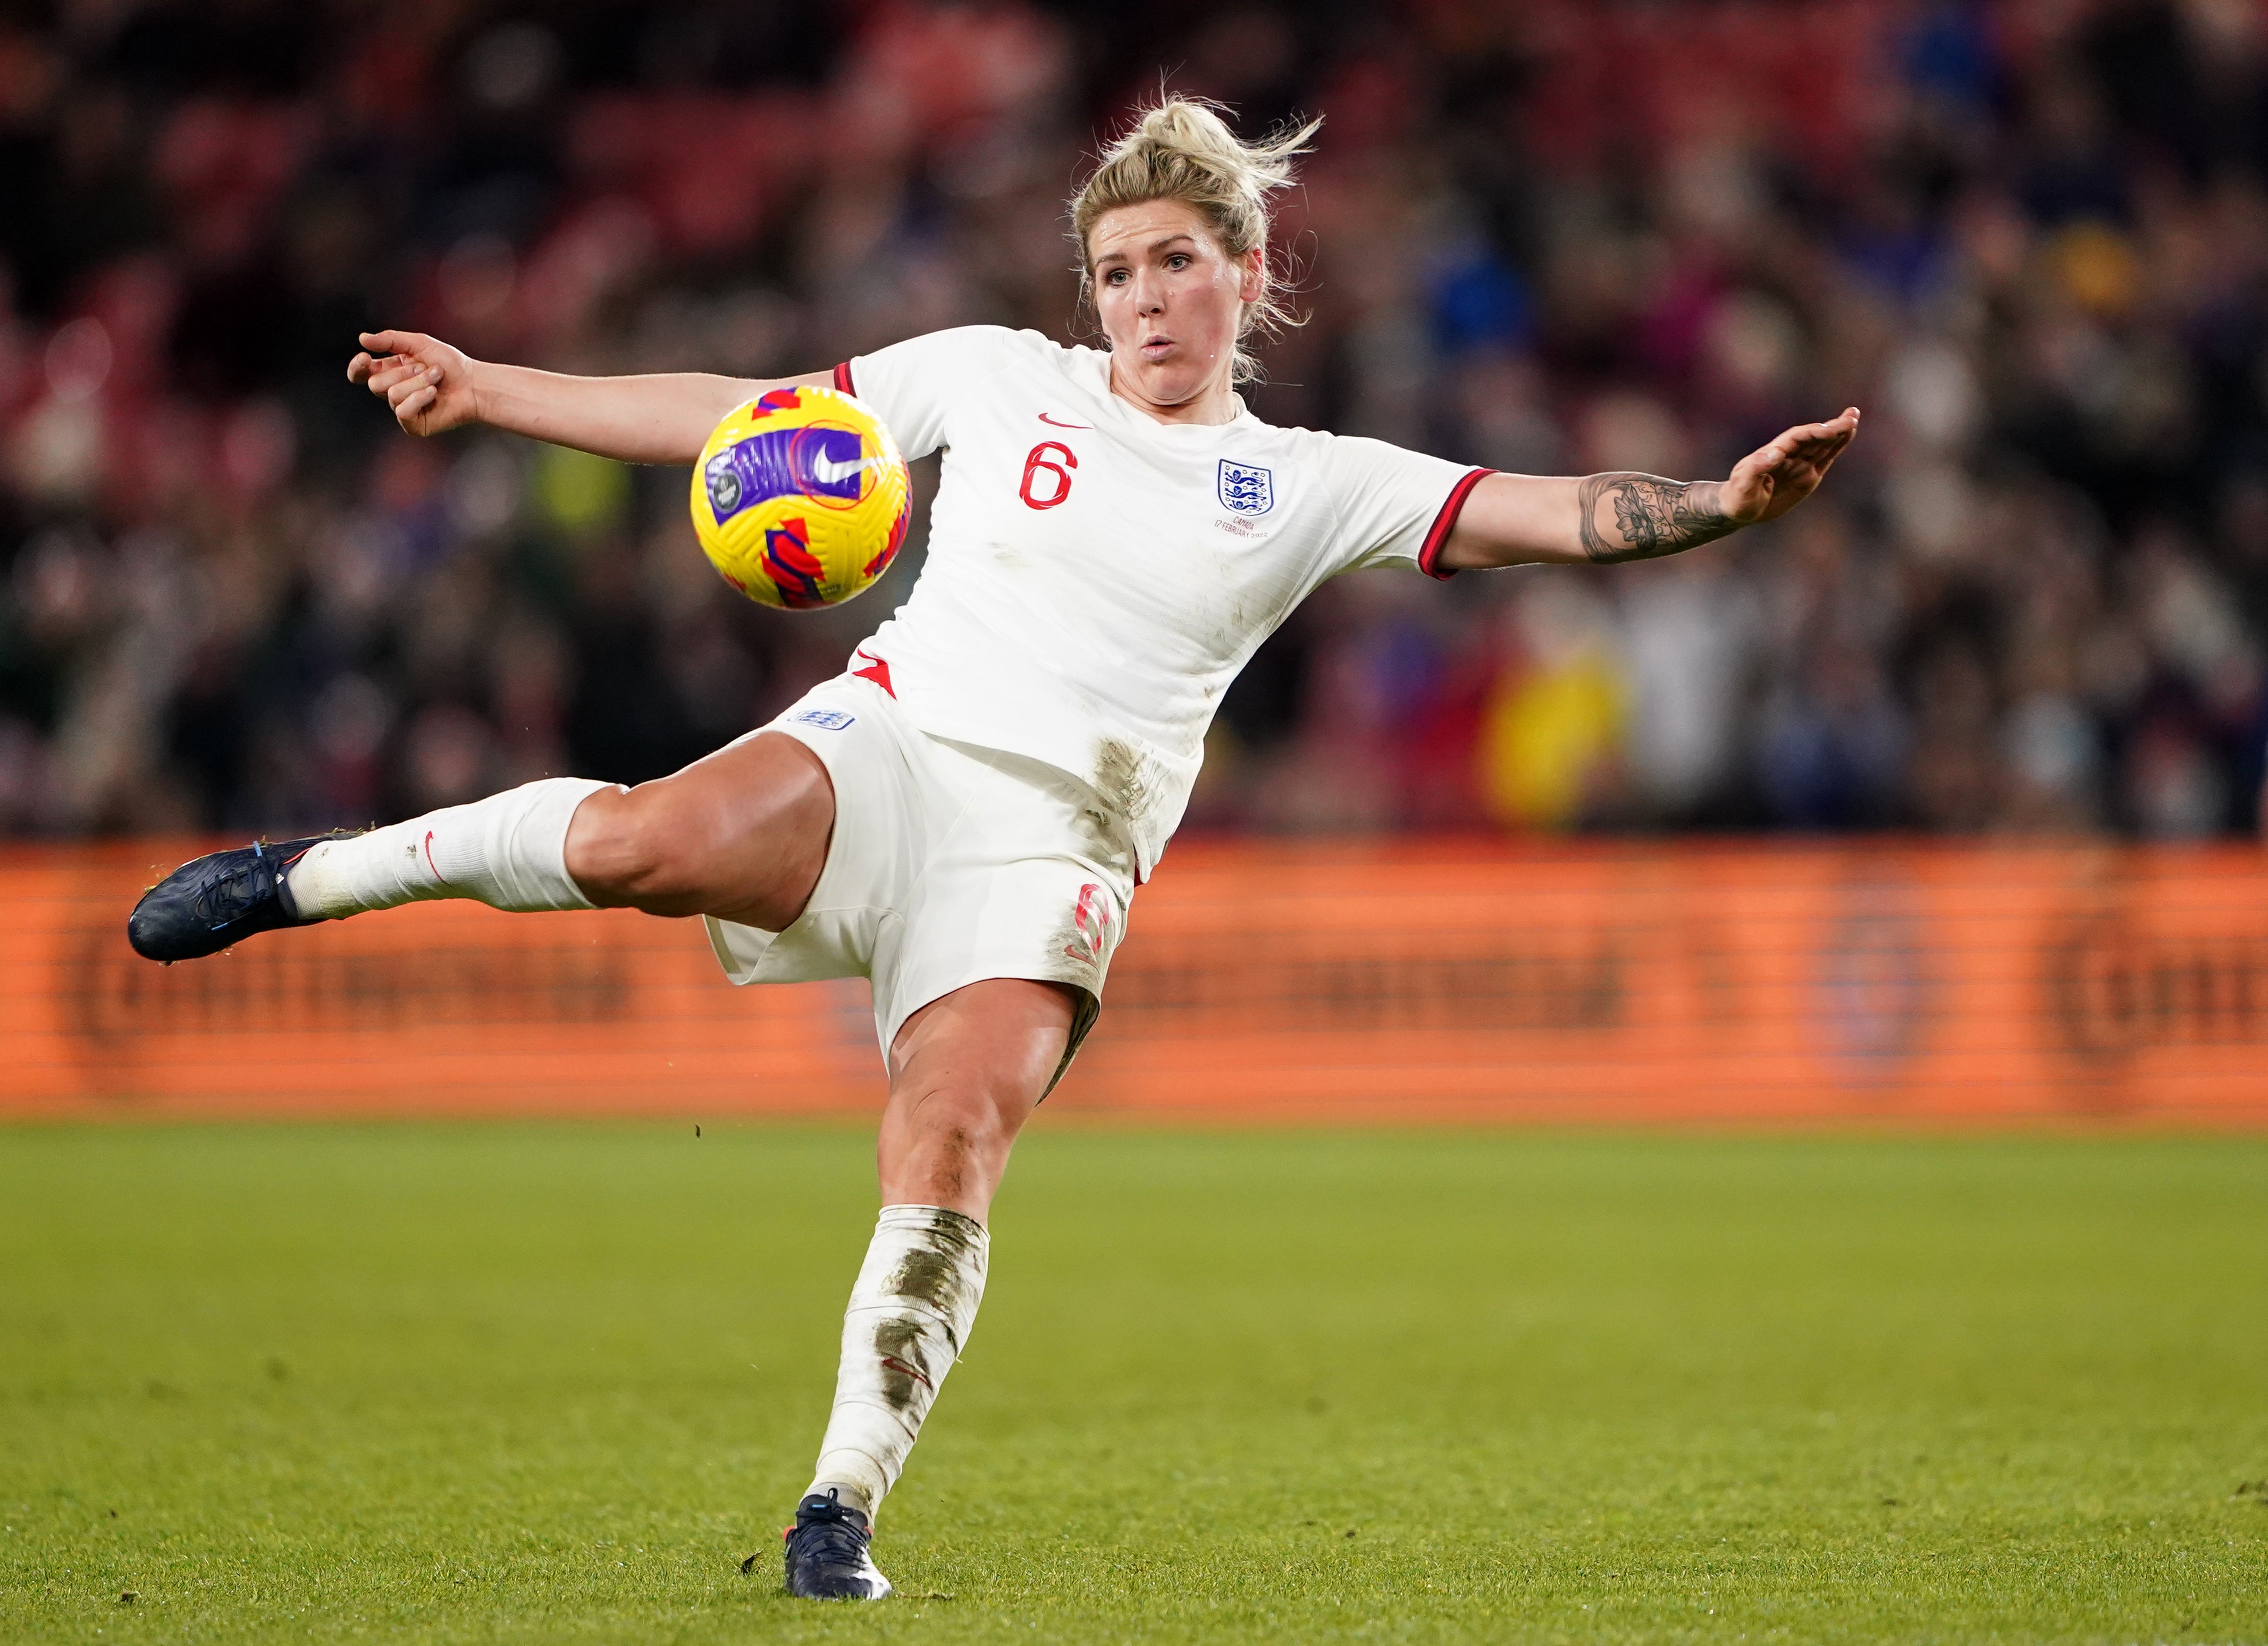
(1169, 299)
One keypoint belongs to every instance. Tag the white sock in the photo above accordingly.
(909, 1317)
(509, 851)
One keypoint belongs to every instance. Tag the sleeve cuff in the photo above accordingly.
(843, 379)
(1445, 523)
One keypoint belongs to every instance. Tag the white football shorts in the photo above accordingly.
(949, 864)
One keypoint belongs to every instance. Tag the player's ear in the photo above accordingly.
(1255, 264)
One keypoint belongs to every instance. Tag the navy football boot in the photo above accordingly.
(827, 1554)
(219, 899)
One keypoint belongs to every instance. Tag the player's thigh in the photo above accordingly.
(741, 835)
(966, 1072)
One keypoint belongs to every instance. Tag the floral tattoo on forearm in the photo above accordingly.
(1653, 516)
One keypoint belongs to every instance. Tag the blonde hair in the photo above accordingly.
(1183, 150)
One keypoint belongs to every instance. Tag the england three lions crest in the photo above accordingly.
(1245, 489)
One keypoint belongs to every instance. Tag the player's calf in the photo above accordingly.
(508, 851)
(909, 1314)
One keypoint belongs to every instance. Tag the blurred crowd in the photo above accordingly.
(2030, 240)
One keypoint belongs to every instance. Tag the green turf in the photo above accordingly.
(548, 1383)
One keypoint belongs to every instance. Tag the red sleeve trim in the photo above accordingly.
(843, 379)
(1445, 522)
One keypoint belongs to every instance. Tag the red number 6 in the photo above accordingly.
(1039, 462)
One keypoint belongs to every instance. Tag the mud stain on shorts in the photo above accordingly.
(1075, 951)
(1119, 778)
(1104, 839)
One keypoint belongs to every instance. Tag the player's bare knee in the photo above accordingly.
(956, 1133)
(624, 853)
(961, 1123)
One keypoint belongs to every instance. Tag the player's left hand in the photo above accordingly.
(1774, 478)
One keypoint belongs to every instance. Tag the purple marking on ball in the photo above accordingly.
(784, 462)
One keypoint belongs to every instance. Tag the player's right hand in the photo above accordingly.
(428, 383)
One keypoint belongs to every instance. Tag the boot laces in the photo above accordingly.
(830, 1534)
(238, 887)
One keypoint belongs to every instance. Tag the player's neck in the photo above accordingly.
(1215, 403)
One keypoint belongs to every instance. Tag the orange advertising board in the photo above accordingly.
(1868, 982)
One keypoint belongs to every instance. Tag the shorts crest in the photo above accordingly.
(1245, 489)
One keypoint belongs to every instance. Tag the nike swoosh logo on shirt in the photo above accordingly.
(1061, 425)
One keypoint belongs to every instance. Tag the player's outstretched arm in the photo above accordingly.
(663, 418)
(1600, 519)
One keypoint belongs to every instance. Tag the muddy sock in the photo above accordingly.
(909, 1314)
(509, 851)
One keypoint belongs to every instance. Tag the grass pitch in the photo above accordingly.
(549, 1384)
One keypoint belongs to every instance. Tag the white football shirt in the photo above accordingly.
(1096, 577)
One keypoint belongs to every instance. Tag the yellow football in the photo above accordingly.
(800, 498)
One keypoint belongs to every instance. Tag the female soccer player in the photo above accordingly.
(964, 814)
